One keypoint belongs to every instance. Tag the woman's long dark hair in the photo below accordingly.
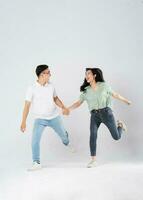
(98, 77)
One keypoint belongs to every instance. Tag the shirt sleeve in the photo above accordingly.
(109, 90)
(82, 97)
(29, 94)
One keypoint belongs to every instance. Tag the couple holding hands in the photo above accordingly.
(43, 99)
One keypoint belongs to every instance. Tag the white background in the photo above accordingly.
(70, 36)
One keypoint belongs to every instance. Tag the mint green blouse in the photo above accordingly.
(99, 98)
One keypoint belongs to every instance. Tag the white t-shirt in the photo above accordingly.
(41, 97)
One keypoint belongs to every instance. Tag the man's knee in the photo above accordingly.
(66, 141)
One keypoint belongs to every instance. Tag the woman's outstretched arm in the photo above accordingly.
(75, 105)
(121, 98)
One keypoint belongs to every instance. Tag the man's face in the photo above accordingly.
(46, 75)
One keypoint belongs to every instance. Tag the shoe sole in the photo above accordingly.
(30, 170)
(91, 167)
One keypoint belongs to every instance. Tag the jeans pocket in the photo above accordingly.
(109, 111)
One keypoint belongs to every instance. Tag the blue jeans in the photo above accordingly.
(38, 129)
(105, 116)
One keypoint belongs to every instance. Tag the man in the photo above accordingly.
(43, 98)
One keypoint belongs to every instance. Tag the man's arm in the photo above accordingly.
(121, 98)
(24, 115)
(60, 104)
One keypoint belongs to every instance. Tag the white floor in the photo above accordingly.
(73, 181)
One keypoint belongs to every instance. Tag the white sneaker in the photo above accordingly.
(71, 148)
(91, 164)
(122, 125)
(35, 166)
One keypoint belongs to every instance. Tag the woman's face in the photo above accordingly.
(89, 76)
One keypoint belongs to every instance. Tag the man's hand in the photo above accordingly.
(23, 127)
(25, 114)
(65, 111)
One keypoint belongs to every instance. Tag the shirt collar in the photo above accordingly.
(38, 84)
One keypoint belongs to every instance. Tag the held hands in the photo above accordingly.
(65, 111)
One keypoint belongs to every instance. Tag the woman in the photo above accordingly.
(98, 95)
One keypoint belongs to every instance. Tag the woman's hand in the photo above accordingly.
(128, 102)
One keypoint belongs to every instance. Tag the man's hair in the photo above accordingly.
(40, 69)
